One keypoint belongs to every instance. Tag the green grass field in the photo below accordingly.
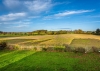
(48, 61)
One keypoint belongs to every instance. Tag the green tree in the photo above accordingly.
(79, 31)
(50, 32)
(98, 31)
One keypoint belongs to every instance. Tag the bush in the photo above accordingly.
(10, 47)
(95, 49)
(13, 47)
(67, 48)
(44, 49)
(39, 48)
(88, 50)
(53, 49)
(35, 48)
(80, 50)
(50, 49)
(59, 49)
(3, 45)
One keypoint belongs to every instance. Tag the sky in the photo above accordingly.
(30, 15)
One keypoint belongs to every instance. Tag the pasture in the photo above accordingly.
(31, 60)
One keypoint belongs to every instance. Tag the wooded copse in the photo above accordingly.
(46, 32)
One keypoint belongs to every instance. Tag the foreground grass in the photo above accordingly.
(12, 56)
(6, 52)
(51, 61)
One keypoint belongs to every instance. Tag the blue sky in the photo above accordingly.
(30, 15)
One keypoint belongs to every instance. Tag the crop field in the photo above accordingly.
(81, 40)
(7, 36)
(14, 41)
(85, 43)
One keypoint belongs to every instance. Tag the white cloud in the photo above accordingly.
(34, 6)
(38, 5)
(18, 26)
(59, 3)
(33, 16)
(21, 26)
(17, 22)
(11, 3)
(66, 13)
(23, 22)
(12, 16)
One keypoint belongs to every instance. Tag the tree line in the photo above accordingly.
(46, 32)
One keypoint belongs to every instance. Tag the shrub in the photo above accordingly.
(14, 47)
(50, 49)
(95, 49)
(67, 48)
(59, 49)
(10, 47)
(3, 45)
(44, 49)
(88, 49)
(35, 48)
(80, 50)
(39, 48)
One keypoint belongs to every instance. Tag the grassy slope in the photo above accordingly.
(53, 61)
(9, 57)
